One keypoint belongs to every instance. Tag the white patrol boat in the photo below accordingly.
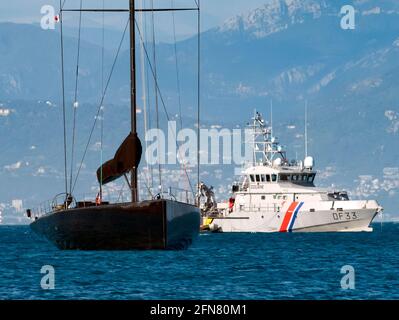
(277, 195)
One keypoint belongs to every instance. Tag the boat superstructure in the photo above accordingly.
(278, 195)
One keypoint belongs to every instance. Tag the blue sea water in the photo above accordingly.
(217, 266)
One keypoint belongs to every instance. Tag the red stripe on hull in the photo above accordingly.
(287, 217)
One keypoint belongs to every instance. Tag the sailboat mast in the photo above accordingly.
(133, 91)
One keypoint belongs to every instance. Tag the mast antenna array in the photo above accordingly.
(306, 128)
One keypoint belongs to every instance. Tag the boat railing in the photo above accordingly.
(177, 194)
(43, 208)
(225, 212)
(61, 202)
(40, 210)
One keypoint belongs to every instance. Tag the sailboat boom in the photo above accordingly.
(127, 10)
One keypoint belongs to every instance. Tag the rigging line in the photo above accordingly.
(63, 101)
(148, 96)
(120, 196)
(198, 94)
(75, 103)
(162, 99)
(101, 149)
(156, 91)
(101, 103)
(146, 184)
(102, 50)
(102, 107)
(163, 102)
(177, 66)
(143, 84)
(61, 7)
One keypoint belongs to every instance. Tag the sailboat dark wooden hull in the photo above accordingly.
(159, 224)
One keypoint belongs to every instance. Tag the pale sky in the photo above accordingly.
(214, 12)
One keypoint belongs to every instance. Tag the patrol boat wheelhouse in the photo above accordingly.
(278, 195)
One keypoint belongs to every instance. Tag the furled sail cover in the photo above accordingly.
(126, 158)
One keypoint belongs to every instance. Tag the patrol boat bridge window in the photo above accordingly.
(262, 177)
(297, 178)
(284, 177)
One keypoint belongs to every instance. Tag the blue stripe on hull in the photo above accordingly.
(295, 216)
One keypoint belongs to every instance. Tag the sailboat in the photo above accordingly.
(159, 223)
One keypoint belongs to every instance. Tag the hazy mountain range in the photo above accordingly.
(287, 51)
